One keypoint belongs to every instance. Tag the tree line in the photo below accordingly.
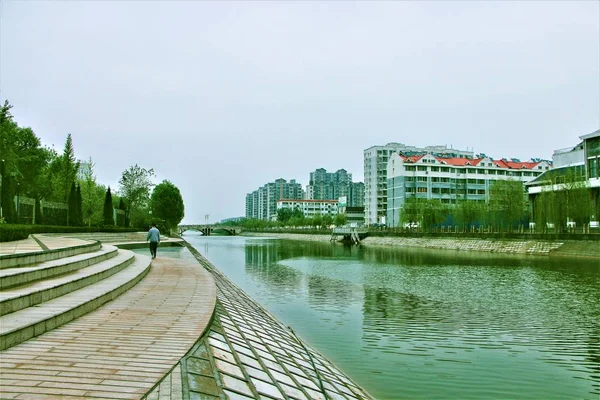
(69, 190)
(287, 217)
(556, 208)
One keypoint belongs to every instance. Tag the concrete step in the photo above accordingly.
(36, 257)
(22, 325)
(17, 276)
(18, 298)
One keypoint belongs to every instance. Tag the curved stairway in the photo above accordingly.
(44, 289)
(61, 336)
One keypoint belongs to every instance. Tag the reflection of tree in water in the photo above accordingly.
(327, 292)
(389, 313)
(593, 357)
(495, 301)
(262, 263)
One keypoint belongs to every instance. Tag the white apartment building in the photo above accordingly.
(262, 203)
(449, 179)
(310, 208)
(375, 167)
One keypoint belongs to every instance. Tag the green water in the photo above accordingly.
(420, 324)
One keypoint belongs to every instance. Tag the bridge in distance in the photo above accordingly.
(209, 229)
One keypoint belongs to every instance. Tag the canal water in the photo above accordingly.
(422, 324)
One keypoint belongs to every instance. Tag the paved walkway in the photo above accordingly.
(155, 340)
(120, 350)
(37, 243)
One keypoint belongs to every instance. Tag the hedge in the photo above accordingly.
(10, 232)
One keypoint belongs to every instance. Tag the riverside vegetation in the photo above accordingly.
(42, 190)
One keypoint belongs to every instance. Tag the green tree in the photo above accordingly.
(284, 215)
(167, 204)
(340, 219)
(123, 208)
(68, 166)
(92, 196)
(108, 209)
(135, 186)
(577, 196)
(412, 211)
(566, 197)
(507, 202)
(24, 159)
(317, 220)
(327, 220)
(468, 212)
(433, 212)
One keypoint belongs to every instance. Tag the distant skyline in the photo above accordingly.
(223, 97)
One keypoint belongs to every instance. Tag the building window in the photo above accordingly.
(421, 168)
(422, 190)
(593, 167)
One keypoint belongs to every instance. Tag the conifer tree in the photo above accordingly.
(108, 209)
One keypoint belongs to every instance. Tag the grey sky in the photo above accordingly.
(222, 97)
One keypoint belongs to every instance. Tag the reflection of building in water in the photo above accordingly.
(261, 255)
(262, 263)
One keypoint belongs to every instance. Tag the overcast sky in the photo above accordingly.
(223, 97)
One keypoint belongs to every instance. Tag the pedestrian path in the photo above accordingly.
(122, 349)
(28, 245)
(185, 331)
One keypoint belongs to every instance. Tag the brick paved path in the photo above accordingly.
(122, 349)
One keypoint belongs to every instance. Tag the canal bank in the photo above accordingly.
(249, 354)
(564, 248)
(425, 323)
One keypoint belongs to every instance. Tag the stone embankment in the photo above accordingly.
(533, 247)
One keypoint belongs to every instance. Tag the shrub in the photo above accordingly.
(10, 232)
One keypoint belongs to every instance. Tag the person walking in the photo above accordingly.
(154, 238)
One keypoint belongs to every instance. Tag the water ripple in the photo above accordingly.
(437, 325)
